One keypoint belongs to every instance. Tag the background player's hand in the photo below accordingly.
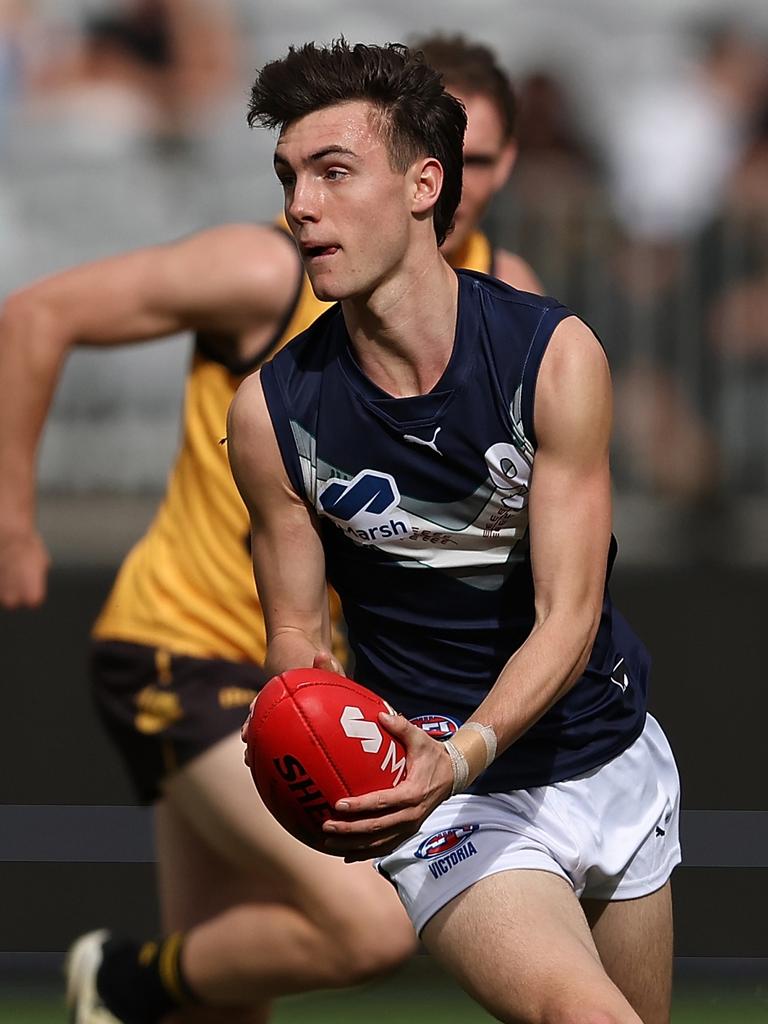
(375, 824)
(24, 563)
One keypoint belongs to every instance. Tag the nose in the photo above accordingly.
(303, 204)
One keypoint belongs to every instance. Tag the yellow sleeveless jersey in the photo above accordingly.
(187, 585)
(475, 254)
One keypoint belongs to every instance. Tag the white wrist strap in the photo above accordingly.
(489, 736)
(462, 773)
(460, 767)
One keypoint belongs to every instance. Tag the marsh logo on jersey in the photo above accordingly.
(366, 507)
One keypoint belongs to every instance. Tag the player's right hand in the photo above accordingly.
(24, 563)
(326, 661)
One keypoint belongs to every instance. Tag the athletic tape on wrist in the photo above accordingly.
(489, 736)
(460, 767)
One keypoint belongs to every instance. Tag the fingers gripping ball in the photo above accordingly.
(313, 738)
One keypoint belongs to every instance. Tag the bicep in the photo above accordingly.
(570, 499)
(288, 558)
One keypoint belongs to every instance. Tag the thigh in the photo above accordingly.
(634, 940)
(519, 943)
(216, 797)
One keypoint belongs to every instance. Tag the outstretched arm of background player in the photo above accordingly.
(288, 557)
(224, 279)
(570, 525)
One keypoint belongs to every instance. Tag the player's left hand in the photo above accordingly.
(377, 823)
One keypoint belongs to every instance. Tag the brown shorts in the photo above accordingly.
(164, 709)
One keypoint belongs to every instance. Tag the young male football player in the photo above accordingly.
(179, 647)
(436, 445)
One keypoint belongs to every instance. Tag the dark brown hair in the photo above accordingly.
(418, 117)
(473, 69)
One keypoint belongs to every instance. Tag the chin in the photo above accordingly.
(329, 288)
(328, 291)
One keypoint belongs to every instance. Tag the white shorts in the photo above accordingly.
(611, 833)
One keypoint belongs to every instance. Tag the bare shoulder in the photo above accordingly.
(574, 349)
(259, 263)
(254, 455)
(514, 270)
(248, 414)
(573, 389)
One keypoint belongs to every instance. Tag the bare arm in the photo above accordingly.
(288, 557)
(570, 530)
(514, 270)
(228, 279)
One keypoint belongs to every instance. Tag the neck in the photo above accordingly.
(402, 333)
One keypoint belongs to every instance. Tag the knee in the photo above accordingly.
(371, 946)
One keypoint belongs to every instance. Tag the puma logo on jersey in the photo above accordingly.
(427, 444)
(623, 679)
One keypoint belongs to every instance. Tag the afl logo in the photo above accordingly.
(439, 727)
(440, 843)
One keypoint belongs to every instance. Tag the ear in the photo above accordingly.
(427, 178)
(504, 165)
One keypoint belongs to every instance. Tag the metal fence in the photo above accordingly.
(686, 329)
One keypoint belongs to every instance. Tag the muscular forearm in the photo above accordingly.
(537, 675)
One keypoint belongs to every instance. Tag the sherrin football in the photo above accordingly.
(313, 738)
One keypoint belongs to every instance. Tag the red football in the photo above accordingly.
(314, 737)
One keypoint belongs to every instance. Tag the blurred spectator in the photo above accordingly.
(675, 150)
(747, 193)
(738, 320)
(550, 205)
(675, 143)
(142, 70)
(553, 163)
(13, 16)
(652, 322)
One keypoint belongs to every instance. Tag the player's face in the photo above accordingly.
(488, 160)
(348, 210)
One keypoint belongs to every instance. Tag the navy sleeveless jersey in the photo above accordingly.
(423, 509)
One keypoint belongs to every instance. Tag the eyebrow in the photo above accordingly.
(332, 150)
(484, 159)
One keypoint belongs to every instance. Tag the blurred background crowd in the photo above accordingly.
(640, 197)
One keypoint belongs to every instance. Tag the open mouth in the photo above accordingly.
(314, 252)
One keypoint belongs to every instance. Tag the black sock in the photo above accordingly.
(141, 982)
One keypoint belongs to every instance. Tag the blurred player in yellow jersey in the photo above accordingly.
(471, 73)
(248, 913)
